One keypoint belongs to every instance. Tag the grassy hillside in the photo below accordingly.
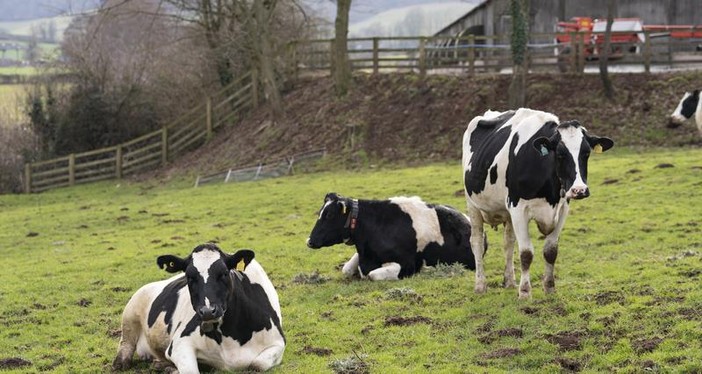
(627, 275)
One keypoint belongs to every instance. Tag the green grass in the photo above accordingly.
(628, 273)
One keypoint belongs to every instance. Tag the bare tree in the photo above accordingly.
(606, 50)
(519, 10)
(340, 61)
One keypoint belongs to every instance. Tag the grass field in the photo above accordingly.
(627, 277)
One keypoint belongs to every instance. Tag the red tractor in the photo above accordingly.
(628, 34)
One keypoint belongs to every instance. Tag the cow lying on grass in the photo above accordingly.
(690, 106)
(394, 238)
(221, 311)
(519, 166)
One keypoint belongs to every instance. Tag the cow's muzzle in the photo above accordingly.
(578, 193)
(210, 313)
(312, 245)
(675, 121)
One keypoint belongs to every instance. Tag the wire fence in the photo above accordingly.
(297, 163)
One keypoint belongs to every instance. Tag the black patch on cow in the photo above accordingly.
(526, 257)
(531, 175)
(248, 311)
(455, 228)
(689, 105)
(493, 174)
(550, 254)
(166, 302)
(485, 144)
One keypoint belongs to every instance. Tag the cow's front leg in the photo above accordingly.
(551, 251)
(520, 225)
(477, 245)
(389, 271)
(509, 279)
(184, 358)
(268, 358)
(351, 267)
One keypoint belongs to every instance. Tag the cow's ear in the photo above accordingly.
(600, 144)
(171, 264)
(331, 196)
(239, 260)
(543, 145)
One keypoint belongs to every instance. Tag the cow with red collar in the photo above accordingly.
(221, 311)
(394, 238)
(520, 166)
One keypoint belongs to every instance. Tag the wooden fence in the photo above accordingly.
(484, 54)
(156, 148)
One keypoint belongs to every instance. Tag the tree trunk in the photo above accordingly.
(340, 62)
(605, 51)
(518, 42)
(264, 57)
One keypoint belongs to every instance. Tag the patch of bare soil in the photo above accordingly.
(609, 297)
(569, 364)
(405, 321)
(566, 341)
(646, 345)
(316, 351)
(502, 353)
(494, 335)
(13, 363)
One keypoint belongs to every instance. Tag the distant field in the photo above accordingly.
(11, 103)
(628, 273)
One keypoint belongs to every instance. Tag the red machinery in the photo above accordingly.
(627, 33)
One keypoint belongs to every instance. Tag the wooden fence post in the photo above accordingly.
(254, 88)
(28, 178)
(573, 52)
(471, 54)
(208, 116)
(164, 145)
(647, 51)
(118, 162)
(72, 169)
(422, 57)
(581, 53)
(376, 66)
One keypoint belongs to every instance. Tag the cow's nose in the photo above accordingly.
(310, 244)
(208, 313)
(580, 192)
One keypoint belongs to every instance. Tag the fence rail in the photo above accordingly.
(481, 54)
(145, 152)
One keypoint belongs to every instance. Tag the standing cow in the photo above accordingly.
(394, 238)
(690, 106)
(222, 311)
(518, 166)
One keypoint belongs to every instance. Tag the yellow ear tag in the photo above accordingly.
(598, 148)
(241, 265)
(343, 209)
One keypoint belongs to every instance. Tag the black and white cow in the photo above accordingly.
(394, 238)
(222, 311)
(690, 106)
(519, 166)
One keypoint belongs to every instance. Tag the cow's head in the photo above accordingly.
(570, 146)
(208, 273)
(686, 108)
(332, 226)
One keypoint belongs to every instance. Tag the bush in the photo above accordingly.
(19, 145)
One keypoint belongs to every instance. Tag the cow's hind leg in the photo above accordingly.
(268, 358)
(131, 331)
(389, 271)
(509, 279)
(477, 245)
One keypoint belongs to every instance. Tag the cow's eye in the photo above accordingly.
(328, 215)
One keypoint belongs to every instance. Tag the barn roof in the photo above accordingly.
(470, 12)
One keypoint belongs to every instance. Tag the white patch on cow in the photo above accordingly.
(425, 222)
(572, 138)
(321, 211)
(207, 302)
(203, 260)
(679, 119)
(351, 266)
(389, 271)
(526, 122)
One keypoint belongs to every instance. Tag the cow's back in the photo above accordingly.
(455, 230)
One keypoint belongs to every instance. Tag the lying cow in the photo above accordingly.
(394, 238)
(222, 311)
(520, 166)
(690, 106)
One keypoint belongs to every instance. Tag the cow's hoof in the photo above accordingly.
(119, 365)
(524, 295)
(550, 290)
(509, 283)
